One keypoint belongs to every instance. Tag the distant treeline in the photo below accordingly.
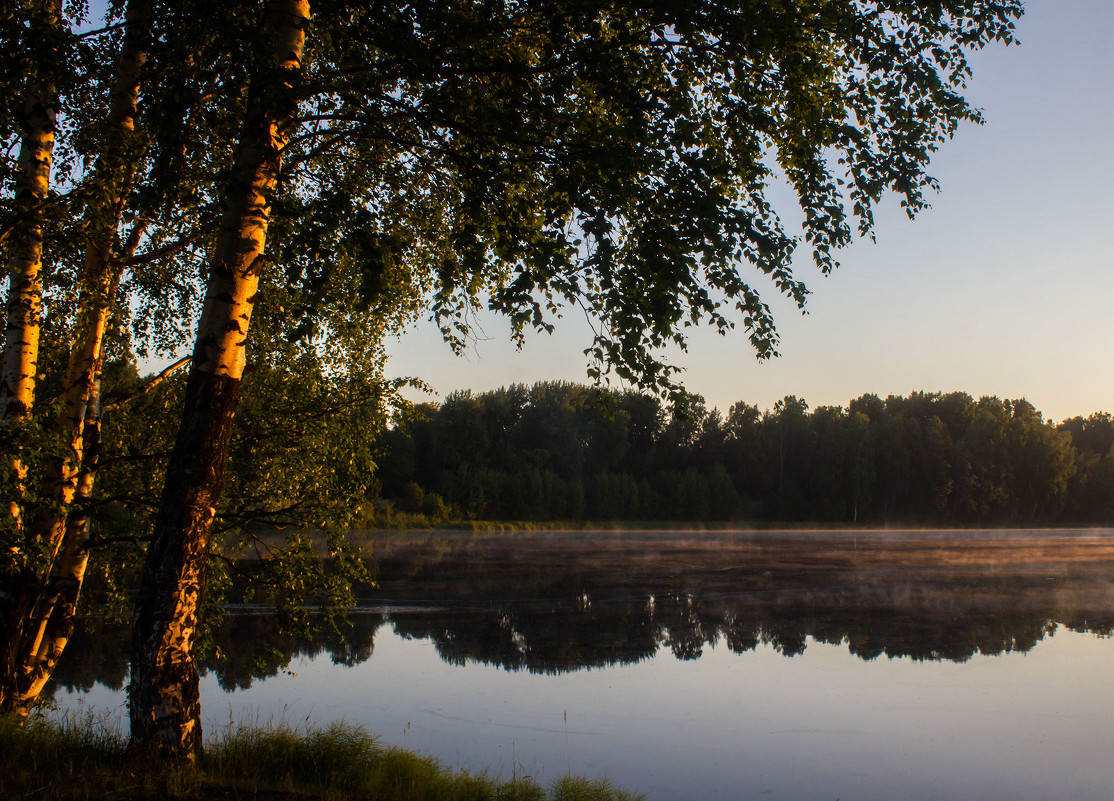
(561, 451)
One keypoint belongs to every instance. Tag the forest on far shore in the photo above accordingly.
(565, 451)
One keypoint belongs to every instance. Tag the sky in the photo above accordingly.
(1004, 287)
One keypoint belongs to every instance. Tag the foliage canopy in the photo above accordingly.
(556, 451)
(617, 158)
(348, 166)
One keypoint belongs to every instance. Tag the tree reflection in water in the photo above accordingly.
(550, 604)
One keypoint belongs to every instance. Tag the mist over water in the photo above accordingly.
(719, 666)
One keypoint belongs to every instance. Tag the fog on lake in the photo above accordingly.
(718, 665)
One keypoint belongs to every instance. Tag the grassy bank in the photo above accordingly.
(86, 760)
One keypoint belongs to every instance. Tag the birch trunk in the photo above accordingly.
(19, 371)
(25, 268)
(25, 265)
(100, 274)
(49, 630)
(163, 694)
(19, 368)
(35, 630)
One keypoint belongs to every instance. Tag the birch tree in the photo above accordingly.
(132, 213)
(39, 635)
(535, 157)
(163, 692)
(37, 36)
(42, 31)
(32, 90)
(48, 551)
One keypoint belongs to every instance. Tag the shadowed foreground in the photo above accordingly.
(89, 761)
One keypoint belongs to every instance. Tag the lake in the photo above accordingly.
(712, 665)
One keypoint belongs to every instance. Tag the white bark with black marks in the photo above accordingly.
(163, 694)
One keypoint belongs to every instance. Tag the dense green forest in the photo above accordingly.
(562, 451)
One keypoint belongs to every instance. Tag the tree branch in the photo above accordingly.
(166, 250)
(153, 382)
(126, 500)
(132, 457)
(240, 520)
(103, 542)
(77, 37)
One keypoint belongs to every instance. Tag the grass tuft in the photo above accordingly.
(577, 788)
(79, 758)
(87, 759)
(335, 757)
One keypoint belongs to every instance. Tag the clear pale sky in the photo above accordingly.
(1004, 287)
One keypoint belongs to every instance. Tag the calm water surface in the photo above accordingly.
(850, 665)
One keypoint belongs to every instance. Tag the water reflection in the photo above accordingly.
(563, 603)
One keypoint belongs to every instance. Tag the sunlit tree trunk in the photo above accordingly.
(38, 627)
(19, 371)
(38, 108)
(101, 268)
(163, 694)
(50, 628)
(25, 266)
